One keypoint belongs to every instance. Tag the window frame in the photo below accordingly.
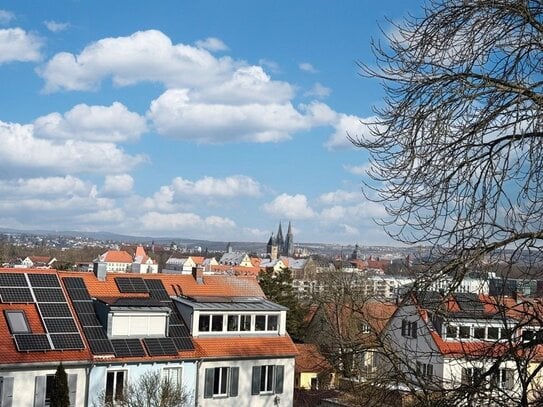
(179, 374)
(115, 394)
(24, 319)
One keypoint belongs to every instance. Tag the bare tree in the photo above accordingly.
(150, 390)
(457, 149)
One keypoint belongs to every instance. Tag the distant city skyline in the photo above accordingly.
(204, 119)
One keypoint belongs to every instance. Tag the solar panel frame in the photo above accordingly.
(89, 320)
(131, 285)
(84, 307)
(79, 294)
(74, 282)
(101, 346)
(32, 342)
(44, 280)
(95, 333)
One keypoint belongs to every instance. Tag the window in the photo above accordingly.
(479, 332)
(115, 382)
(245, 324)
(409, 329)
(216, 323)
(17, 322)
(493, 332)
(221, 382)
(174, 375)
(266, 322)
(470, 375)
(49, 384)
(233, 322)
(203, 323)
(465, 332)
(504, 379)
(260, 323)
(452, 331)
(425, 370)
(267, 379)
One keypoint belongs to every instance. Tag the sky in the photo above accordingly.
(191, 119)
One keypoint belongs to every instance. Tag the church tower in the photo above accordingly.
(279, 240)
(271, 249)
(288, 249)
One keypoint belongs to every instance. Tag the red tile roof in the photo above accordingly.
(245, 347)
(310, 360)
(116, 256)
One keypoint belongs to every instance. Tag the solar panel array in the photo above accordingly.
(84, 308)
(61, 332)
(128, 347)
(160, 346)
(131, 285)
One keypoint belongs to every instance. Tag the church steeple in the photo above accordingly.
(279, 240)
(289, 242)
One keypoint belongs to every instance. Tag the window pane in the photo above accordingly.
(49, 384)
(452, 331)
(216, 380)
(216, 323)
(464, 332)
(224, 379)
(272, 322)
(203, 323)
(479, 333)
(269, 380)
(233, 322)
(263, 372)
(119, 386)
(245, 322)
(110, 379)
(260, 323)
(493, 333)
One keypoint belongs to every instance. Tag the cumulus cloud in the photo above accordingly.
(21, 149)
(347, 125)
(212, 44)
(113, 123)
(339, 196)
(44, 186)
(185, 222)
(176, 115)
(118, 185)
(142, 56)
(361, 170)
(366, 210)
(55, 26)
(18, 45)
(272, 66)
(307, 67)
(290, 206)
(6, 16)
(233, 186)
(319, 91)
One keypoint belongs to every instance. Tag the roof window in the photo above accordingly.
(17, 322)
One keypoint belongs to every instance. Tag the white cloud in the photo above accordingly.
(55, 26)
(347, 125)
(290, 207)
(307, 67)
(361, 170)
(6, 16)
(113, 123)
(143, 56)
(118, 185)
(212, 44)
(272, 66)
(319, 91)
(176, 115)
(18, 45)
(365, 211)
(44, 186)
(21, 149)
(339, 196)
(233, 186)
(185, 223)
(162, 200)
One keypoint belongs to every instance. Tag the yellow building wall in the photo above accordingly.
(305, 380)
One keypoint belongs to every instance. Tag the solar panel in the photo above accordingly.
(60, 325)
(49, 295)
(79, 294)
(131, 285)
(128, 347)
(16, 295)
(157, 290)
(160, 346)
(67, 341)
(84, 307)
(13, 280)
(43, 280)
(89, 320)
(74, 282)
(181, 337)
(100, 346)
(32, 342)
(54, 310)
(183, 343)
(95, 333)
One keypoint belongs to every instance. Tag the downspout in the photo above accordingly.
(196, 390)
(89, 370)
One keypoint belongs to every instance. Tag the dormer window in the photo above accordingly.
(18, 324)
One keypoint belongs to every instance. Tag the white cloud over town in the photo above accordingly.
(18, 45)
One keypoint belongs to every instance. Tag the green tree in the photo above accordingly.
(277, 285)
(60, 394)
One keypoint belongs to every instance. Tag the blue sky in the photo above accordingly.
(201, 119)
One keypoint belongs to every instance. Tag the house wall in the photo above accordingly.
(305, 380)
(25, 386)
(98, 373)
(244, 397)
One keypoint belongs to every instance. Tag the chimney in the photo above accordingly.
(198, 274)
(100, 270)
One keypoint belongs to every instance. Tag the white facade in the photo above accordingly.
(254, 388)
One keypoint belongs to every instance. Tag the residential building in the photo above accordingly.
(114, 261)
(312, 370)
(143, 263)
